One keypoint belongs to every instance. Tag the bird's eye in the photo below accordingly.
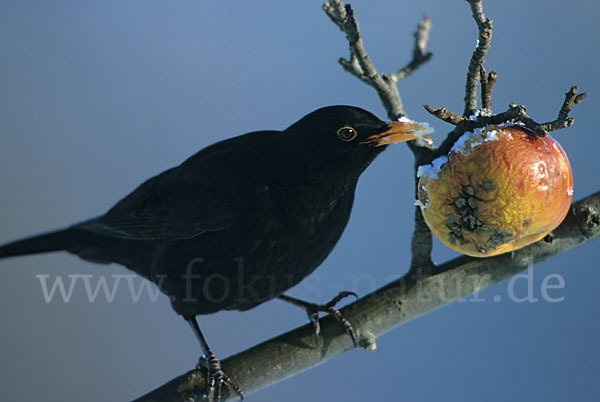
(347, 133)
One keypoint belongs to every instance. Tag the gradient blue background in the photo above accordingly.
(97, 96)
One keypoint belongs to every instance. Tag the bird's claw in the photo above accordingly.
(215, 378)
(313, 310)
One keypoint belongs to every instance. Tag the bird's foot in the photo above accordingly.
(313, 310)
(215, 378)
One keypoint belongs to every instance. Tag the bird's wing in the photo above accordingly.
(163, 208)
(206, 193)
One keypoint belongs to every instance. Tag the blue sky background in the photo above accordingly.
(97, 96)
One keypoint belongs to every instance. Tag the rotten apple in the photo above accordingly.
(499, 189)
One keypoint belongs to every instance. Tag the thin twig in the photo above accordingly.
(394, 304)
(514, 113)
(571, 99)
(446, 115)
(518, 113)
(354, 68)
(484, 25)
(330, 11)
(487, 87)
(420, 56)
(420, 245)
(361, 66)
(422, 38)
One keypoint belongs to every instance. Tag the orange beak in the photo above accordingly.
(400, 131)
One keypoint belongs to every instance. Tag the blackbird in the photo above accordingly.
(239, 222)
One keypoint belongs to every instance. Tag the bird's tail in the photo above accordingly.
(44, 243)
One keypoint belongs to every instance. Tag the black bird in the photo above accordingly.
(239, 222)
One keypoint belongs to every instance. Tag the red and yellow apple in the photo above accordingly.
(499, 189)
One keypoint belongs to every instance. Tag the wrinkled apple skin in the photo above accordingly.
(502, 188)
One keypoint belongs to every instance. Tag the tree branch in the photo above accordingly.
(514, 113)
(394, 304)
(361, 66)
(420, 56)
(484, 25)
(487, 86)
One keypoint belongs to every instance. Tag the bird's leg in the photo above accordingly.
(313, 311)
(215, 377)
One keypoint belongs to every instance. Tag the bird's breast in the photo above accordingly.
(313, 220)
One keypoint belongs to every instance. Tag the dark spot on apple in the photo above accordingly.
(460, 203)
(496, 239)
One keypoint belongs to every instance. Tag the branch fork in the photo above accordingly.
(361, 66)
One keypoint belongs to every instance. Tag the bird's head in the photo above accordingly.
(349, 138)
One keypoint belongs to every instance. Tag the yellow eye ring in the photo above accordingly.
(347, 133)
